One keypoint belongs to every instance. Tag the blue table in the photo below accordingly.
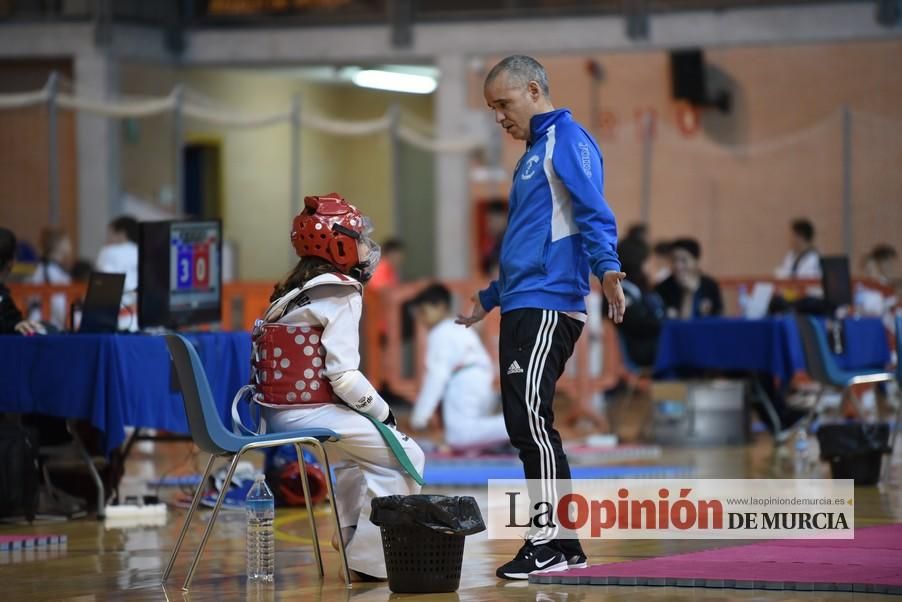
(768, 346)
(114, 381)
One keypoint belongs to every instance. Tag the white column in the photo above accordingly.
(97, 144)
(453, 244)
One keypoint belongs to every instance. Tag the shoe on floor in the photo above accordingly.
(577, 561)
(532, 559)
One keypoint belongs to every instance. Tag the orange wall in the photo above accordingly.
(738, 204)
(24, 191)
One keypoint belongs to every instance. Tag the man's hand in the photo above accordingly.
(30, 327)
(478, 313)
(613, 292)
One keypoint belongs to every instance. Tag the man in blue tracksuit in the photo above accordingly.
(559, 230)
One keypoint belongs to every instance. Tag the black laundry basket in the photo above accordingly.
(854, 449)
(423, 540)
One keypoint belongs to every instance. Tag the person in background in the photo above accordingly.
(688, 293)
(802, 261)
(459, 375)
(645, 312)
(388, 272)
(879, 264)
(11, 320)
(637, 232)
(662, 266)
(56, 258)
(120, 256)
(495, 225)
(53, 268)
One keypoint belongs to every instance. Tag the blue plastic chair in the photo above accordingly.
(211, 436)
(822, 368)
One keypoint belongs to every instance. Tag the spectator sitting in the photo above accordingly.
(10, 317)
(120, 256)
(688, 293)
(878, 264)
(662, 266)
(802, 261)
(56, 259)
(459, 374)
(644, 308)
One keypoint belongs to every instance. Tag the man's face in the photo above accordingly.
(796, 242)
(513, 103)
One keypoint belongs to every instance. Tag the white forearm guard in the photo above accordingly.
(354, 389)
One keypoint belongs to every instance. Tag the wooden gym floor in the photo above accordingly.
(101, 563)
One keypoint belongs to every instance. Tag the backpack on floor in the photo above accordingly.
(19, 472)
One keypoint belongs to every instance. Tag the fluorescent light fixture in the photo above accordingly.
(394, 81)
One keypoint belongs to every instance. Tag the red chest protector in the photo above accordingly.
(288, 363)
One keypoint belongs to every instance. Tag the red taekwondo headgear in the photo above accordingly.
(334, 230)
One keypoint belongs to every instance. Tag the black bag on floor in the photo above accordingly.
(19, 473)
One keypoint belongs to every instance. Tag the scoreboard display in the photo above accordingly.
(194, 264)
(180, 279)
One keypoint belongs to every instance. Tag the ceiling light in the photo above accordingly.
(395, 82)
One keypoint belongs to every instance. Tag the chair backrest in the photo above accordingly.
(821, 366)
(204, 422)
(899, 349)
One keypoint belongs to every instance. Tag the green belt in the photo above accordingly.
(395, 446)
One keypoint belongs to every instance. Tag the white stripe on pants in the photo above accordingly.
(365, 468)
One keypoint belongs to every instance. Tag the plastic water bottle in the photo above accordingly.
(802, 455)
(261, 509)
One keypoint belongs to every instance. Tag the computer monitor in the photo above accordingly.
(179, 267)
(100, 310)
(836, 280)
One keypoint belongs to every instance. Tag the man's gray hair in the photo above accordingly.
(522, 69)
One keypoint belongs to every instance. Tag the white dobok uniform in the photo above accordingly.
(364, 465)
(459, 374)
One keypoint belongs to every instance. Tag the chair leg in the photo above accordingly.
(336, 521)
(209, 529)
(89, 462)
(194, 503)
(305, 485)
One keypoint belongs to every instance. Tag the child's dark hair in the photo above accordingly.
(306, 269)
(434, 294)
(126, 224)
(7, 247)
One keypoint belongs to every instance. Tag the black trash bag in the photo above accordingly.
(441, 513)
(855, 450)
(852, 439)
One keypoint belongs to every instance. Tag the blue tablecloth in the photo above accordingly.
(769, 345)
(115, 381)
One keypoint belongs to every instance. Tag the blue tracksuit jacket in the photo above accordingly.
(559, 225)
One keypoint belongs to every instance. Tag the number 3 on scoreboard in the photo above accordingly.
(184, 271)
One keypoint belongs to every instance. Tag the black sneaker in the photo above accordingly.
(578, 561)
(532, 559)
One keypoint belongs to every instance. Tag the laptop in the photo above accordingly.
(100, 311)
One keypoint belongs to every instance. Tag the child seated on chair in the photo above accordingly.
(306, 373)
